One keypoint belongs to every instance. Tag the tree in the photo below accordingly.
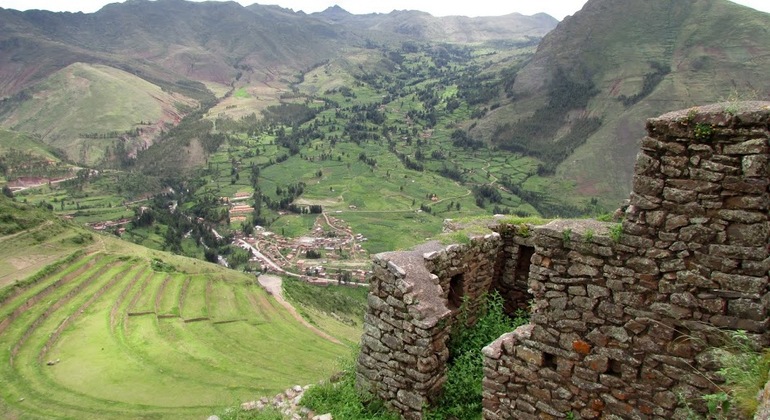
(7, 191)
(211, 255)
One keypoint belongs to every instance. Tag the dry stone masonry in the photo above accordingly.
(625, 317)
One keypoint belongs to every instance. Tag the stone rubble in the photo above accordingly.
(287, 403)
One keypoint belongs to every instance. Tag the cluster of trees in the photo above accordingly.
(16, 163)
(453, 173)
(486, 192)
(462, 139)
(289, 114)
(285, 197)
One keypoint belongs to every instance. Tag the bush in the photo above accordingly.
(462, 394)
(745, 371)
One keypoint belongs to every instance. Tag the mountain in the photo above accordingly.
(89, 110)
(593, 81)
(422, 26)
(167, 39)
(71, 78)
(101, 86)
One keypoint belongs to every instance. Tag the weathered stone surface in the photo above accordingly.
(647, 185)
(755, 166)
(750, 147)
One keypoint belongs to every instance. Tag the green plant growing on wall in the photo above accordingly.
(589, 235)
(462, 395)
(342, 399)
(616, 232)
(566, 236)
(745, 371)
(703, 131)
(691, 114)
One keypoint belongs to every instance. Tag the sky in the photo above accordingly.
(556, 8)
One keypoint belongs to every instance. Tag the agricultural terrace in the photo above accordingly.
(108, 335)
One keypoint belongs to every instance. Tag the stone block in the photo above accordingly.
(739, 252)
(740, 283)
(647, 185)
(706, 175)
(529, 355)
(754, 146)
(747, 309)
(678, 195)
(597, 363)
(714, 165)
(645, 202)
(696, 233)
(646, 164)
(755, 234)
(642, 265)
(670, 310)
(596, 291)
(694, 185)
(742, 216)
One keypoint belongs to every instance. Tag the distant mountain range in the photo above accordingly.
(184, 48)
(579, 103)
(459, 29)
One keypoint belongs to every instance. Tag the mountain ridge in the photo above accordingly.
(643, 60)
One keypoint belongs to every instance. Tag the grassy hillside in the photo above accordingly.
(95, 327)
(91, 112)
(22, 155)
(638, 60)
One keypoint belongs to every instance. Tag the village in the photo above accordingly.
(329, 252)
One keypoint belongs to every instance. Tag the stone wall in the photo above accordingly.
(623, 315)
(625, 318)
(413, 301)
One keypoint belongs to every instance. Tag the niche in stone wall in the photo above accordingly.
(523, 263)
(515, 295)
(456, 291)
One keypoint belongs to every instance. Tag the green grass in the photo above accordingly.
(76, 98)
(115, 365)
(462, 393)
(323, 305)
(745, 371)
(343, 400)
(241, 93)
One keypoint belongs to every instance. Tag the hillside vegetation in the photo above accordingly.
(98, 328)
(24, 156)
(67, 111)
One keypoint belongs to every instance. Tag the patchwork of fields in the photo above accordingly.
(112, 336)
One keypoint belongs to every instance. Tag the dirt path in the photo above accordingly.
(272, 284)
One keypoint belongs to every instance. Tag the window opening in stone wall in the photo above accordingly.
(615, 368)
(524, 261)
(516, 296)
(549, 360)
(456, 291)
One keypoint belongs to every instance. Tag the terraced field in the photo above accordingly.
(112, 336)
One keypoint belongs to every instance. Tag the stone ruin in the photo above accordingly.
(624, 316)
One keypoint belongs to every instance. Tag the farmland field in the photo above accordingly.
(121, 331)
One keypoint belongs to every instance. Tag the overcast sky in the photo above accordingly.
(556, 8)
